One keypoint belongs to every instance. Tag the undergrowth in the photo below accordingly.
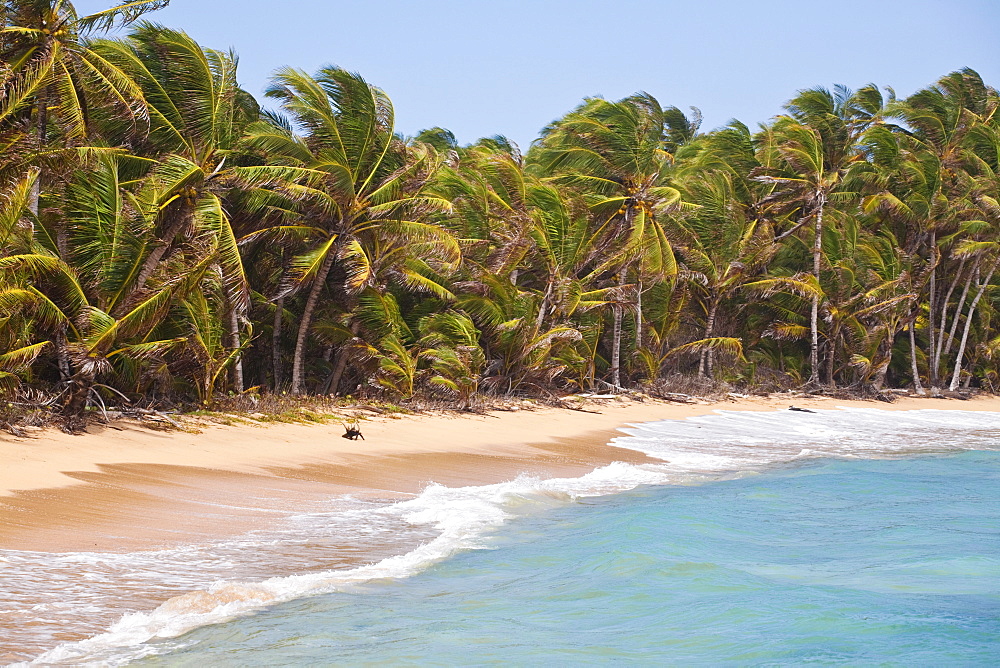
(23, 413)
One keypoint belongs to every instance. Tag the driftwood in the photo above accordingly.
(352, 431)
(140, 412)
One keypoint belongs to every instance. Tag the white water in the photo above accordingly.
(443, 521)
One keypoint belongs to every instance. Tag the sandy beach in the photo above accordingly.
(127, 487)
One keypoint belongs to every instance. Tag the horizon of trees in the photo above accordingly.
(162, 236)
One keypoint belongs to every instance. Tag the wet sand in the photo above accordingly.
(128, 487)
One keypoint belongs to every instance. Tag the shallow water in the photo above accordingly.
(860, 562)
(853, 537)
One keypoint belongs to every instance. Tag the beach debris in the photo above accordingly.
(677, 397)
(800, 410)
(352, 431)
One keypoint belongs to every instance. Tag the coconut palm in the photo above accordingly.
(450, 343)
(936, 144)
(52, 292)
(723, 240)
(616, 153)
(519, 353)
(356, 182)
(489, 188)
(516, 228)
(51, 67)
(54, 79)
(514, 225)
(818, 143)
(198, 114)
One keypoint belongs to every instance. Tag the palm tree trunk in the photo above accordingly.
(950, 340)
(616, 333)
(233, 322)
(304, 324)
(62, 354)
(638, 313)
(968, 326)
(814, 315)
(814, 342)
(944, 311)
(831, 356)
(338, 371)
(918, 388)
(883, 371)
(931, 340)
(705, 364)
(327, 356)
(152, 260)
(543, 307)
(42, 120)
(279, 311)
(616, 337)
(79, 391)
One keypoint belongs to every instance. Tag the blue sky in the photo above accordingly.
(481, 67)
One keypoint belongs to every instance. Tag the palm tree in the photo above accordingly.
(983, 245)
(515, 226)
(450, 342)
(517, 230)
(818, 143)
(520, 354)
(616, 153)
(198, 114)
(723, 240)
(355, 181)
(75, 295)
(56, 77)
(52, 292)
(939, 141)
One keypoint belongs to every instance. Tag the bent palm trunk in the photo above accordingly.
(304, 324)
(950, 340)
(968, 326)
(338, 371)
(944, 310)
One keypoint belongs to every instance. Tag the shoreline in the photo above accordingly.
(126, 488)
(247, 516)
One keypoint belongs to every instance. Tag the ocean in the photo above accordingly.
(853, 536)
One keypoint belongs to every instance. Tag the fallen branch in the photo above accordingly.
(148, 411)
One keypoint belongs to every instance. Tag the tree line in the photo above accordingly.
(162, 235)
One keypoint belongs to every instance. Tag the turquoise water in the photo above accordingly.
(857, 562)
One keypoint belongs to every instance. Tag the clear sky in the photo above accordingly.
(485, 67)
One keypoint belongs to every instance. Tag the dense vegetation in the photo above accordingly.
(162, 236)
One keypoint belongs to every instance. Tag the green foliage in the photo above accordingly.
(450, 344)
(145, 198)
